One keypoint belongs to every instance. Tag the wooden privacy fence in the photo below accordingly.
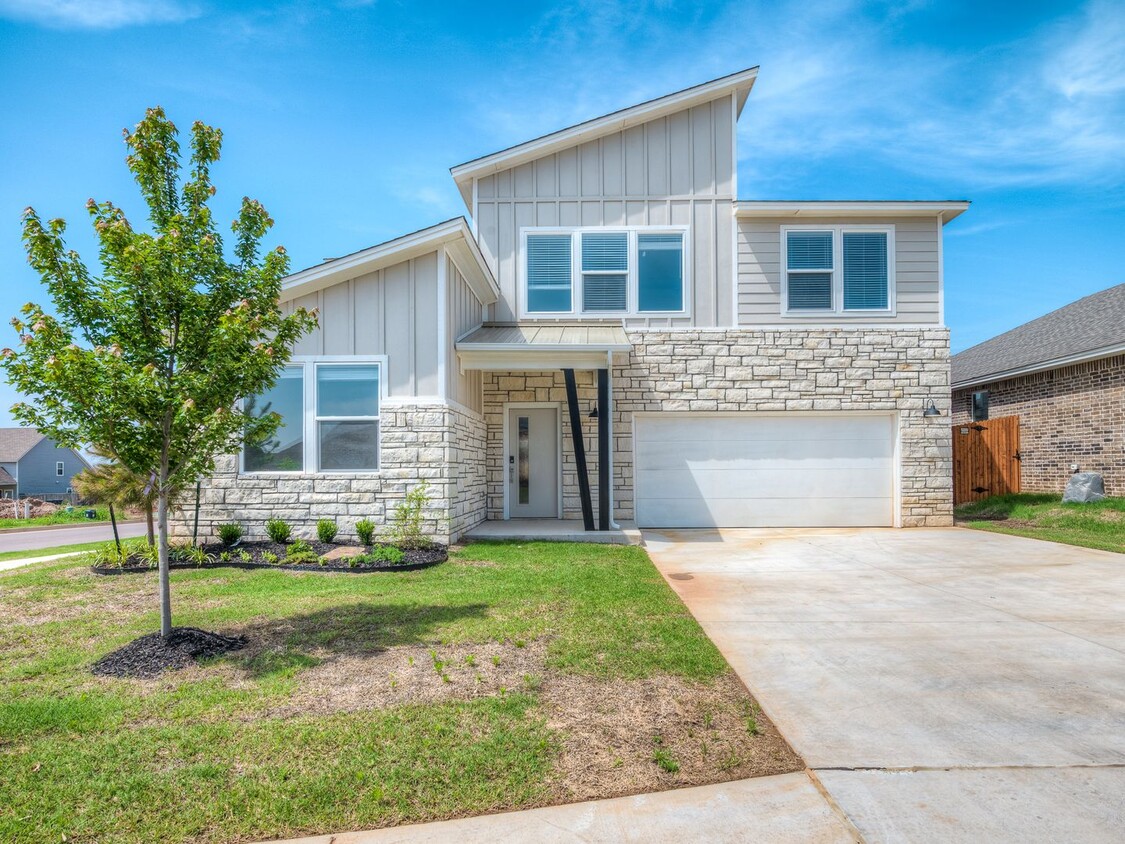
(986, 459)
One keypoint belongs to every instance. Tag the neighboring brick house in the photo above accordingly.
(33, 465)
(612, 306)
(1063, 375)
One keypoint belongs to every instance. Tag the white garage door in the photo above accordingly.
(795, 470)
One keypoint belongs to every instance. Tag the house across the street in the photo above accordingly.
(34, 466)
(1063, 377)
(613, 335)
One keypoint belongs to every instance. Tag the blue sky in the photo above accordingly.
(344, 117)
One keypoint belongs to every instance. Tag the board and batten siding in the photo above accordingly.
(465, 313)
(392, 312)
(673, 171)
(917, 261)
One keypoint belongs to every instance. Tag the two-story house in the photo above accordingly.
(614, 335)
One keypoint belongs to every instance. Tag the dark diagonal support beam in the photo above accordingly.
(579, 449)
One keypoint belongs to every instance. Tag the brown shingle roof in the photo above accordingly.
(1086, 326)
(16, 442)
(6, 479)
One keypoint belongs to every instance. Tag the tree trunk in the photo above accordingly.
(148, 522)
(162, 526)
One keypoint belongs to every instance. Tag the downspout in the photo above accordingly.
(604, 411)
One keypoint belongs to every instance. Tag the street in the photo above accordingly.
(37, 538)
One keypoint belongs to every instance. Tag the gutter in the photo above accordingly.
(1031, 369)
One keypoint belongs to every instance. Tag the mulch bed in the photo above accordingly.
(413, 559)
(151, 655)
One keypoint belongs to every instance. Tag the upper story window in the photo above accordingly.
(329, 419)
(604, 272)
(838, 269)
(60, 469)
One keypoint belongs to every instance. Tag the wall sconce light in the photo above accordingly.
(594, 411)
(931, 410)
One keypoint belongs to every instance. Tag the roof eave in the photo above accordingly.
(1043, 366)
(945, 210)
(464, 250)
(740, 83)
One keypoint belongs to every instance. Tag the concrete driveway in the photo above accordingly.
(943, 684)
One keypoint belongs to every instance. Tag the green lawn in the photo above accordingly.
(283, 738)
(1044, 516)
(59, 517)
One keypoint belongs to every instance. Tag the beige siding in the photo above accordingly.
(676, 170)
(390, 312)
(465, 313)
(916, 272)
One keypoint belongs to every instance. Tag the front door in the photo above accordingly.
(533, 462)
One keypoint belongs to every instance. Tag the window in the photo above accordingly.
(329, 413)
(285, 450)
(838, 269)
(660, 272)
(980, 406)
(60, 469)
(605, 268)
(548, 273)
(347, 416)
(615, 271)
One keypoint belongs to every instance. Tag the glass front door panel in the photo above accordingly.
(524, 460)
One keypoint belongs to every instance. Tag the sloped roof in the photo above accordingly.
(1090, 328)
(453, 234)
(738, 83)
(16, 442)
(523, 336)
(6, 479)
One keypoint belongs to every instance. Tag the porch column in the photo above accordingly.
(579, 449)
(604, 461)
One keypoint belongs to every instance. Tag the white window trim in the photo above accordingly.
(837, 309)
(632, 276)
(60, 468)
(311, 450)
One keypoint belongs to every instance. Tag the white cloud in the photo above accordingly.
(98, 14)
(845, 82)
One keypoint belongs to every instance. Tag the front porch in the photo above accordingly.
(549, 416)
(553, 530)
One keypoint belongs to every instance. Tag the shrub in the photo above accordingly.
(224, 556)
(365, 530)
(299, 546)
(107, 557)
(230, 533)
(326, 530)
(406, 524)
(270, 557)
(386, 554)
(245, 556)
(279, 530)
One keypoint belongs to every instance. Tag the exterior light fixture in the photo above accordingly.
(594, 411)
(931, 410)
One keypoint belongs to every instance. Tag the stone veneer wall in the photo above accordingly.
(723, 370)
(442, 444)
(1075, 414)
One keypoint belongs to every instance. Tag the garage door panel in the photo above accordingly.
(786, 483)
(748, 453)
(792, 470)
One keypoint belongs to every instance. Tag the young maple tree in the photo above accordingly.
(149, 360)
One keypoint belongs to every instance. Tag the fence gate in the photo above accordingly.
(986, 459)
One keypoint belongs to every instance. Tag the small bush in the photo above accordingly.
(245, 556)
(365, 530)
(406, 524)
(224, 556)
(270, 557)
(299, 546)
(279, 530)
(326, 530)
(230, 533)
(383, 554)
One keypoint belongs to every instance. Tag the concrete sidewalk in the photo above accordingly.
(781, 809)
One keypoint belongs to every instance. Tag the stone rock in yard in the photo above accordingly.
(1083, 488)
(344, 552)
